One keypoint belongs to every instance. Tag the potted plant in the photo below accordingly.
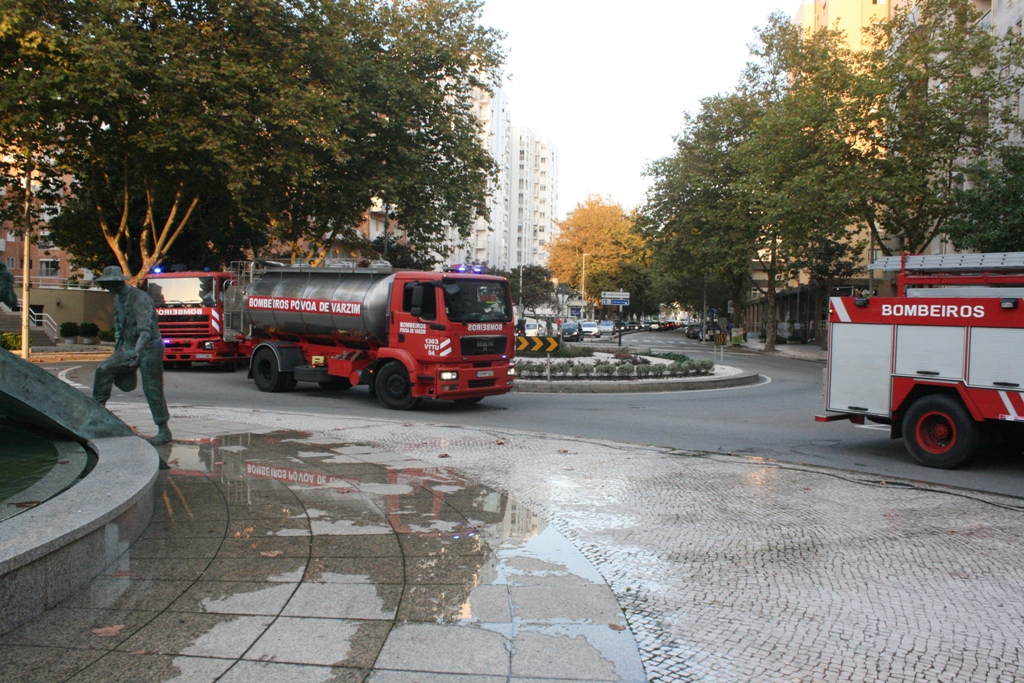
(69, 331)
(89, 332)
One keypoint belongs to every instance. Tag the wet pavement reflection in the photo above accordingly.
(286, 555)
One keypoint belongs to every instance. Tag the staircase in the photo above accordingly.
(11, 322)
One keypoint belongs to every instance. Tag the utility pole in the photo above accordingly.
(583, 286)
(26, 266)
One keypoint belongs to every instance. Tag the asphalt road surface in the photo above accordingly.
(774, 419)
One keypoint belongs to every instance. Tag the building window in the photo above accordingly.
(49, 267)
(11, 262)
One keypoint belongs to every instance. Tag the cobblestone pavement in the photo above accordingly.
(725, 568)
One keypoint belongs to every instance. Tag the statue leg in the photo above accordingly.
(103, 381)
(151, 367)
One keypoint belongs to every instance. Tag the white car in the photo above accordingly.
(606, 326)
(590, 329)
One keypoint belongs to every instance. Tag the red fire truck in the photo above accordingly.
(408, 335)
(942, 363)
(190, 306)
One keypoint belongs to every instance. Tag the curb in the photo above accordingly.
(634, 386)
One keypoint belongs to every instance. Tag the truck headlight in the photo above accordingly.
(449, 375)
(511, 371)
(208, 345)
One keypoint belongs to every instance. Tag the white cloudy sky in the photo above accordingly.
(608, 81)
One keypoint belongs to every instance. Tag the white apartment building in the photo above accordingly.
(534, 192)
(523, 199)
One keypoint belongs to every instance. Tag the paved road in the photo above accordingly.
(772, 420)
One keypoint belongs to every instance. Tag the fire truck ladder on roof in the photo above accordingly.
(995, 269)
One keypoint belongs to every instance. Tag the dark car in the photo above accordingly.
(571, 332)
(693, 331)
(632, 325)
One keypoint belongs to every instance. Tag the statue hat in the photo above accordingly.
(112, 274)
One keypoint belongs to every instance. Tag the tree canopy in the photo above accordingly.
(938, 92)
(601, 229)
(227, 125)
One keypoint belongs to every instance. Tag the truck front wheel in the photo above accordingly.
(394, 390)
(267, 373)
(939, 432)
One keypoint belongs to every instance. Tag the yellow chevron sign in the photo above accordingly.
(548, 344)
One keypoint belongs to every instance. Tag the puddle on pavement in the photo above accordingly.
(310, 529)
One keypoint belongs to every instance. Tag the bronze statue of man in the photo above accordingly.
(7, 294)
(137, 345)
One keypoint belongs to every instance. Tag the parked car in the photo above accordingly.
(620, 325)
(590, 329)
(632, 325)
(571, 332)
(693, 331)
(606, 327)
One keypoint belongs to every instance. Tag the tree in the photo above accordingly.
(939, 92)
(763, 174)
(537, 289)
(990, 216)
(600, 229)
(295, 116)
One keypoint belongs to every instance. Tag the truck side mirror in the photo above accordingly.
(417, 301)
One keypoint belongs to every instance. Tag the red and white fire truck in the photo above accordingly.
(407, 334)
(943, 362)
(190, 307)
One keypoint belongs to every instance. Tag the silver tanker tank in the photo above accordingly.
(322, 301)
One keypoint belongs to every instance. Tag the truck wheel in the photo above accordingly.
(267, 374)
(394, 390)
(939, 432)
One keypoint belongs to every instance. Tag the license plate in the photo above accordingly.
(485, 373)
(204, 355)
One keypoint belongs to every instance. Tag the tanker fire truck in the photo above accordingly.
(942, 363)
(408, 335)
(190, 308)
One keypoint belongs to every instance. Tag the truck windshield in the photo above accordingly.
(192, 291)
(477, 300)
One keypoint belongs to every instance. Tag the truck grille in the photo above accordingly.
(185, 326)
(483, 345)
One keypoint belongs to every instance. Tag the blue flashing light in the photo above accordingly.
(158, 269)
(461, 268)
(478, 269)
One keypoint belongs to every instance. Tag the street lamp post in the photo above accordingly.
(583, 286)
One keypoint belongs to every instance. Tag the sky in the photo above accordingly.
(608, 82)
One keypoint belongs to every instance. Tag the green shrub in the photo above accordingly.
(605, 370)
(643, 371)
(624, 370)
(705, 367)
(89, 329)
(676, 369)
(12, 341)
(107, 335)
(689, 368)
(680, 357)
(68, 330)
(658, 369)
(561, 368)
(581, 370)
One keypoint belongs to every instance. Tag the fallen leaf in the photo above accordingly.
(500, 442)
(172, 462)
(562, 450)
(271, 553)
(108, 631)
(616, 627)
(444, 455)
(26, 503)
(121, 574)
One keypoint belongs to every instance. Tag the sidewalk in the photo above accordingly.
(298, 547)
(801, 351)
